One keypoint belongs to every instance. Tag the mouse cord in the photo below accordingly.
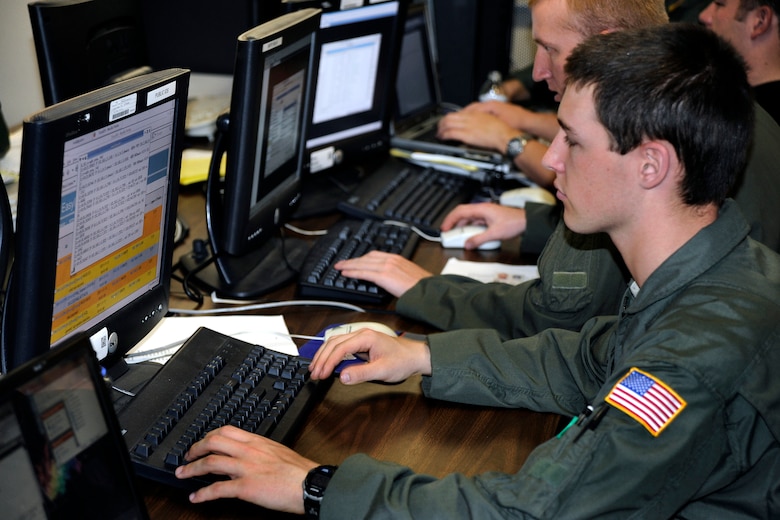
(417, 230)
(266, 305)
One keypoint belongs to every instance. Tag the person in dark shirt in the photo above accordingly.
(753, 28)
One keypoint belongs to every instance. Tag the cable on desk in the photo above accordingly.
(192, 292)
(282, 238)
(417, 230)
(123, 391)
(306, 232)
(267, 305)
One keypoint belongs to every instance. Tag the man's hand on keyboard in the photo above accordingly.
(389, 359)
(503, 222)
(261, 471)
(391, 272)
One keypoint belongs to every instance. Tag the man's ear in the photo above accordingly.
(658, 161)
(761, 20)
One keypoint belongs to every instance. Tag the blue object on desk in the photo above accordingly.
(308, 349)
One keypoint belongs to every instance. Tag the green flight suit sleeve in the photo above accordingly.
(616, 469)
(541, 222)
(581, 276)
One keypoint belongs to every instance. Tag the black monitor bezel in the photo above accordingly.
(81, 46)
(117, 470)
(203, 37)
(351, 151)
(247, 224)
(27, 314)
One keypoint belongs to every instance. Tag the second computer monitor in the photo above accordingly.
(262, 138)
(354, 73)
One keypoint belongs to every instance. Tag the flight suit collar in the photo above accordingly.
(708, 247)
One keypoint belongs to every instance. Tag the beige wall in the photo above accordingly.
(20, 85)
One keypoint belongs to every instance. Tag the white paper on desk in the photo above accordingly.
(10, 163)
(491, 271)
(166, 338)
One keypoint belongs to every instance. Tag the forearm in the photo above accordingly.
(476, 366)
(543, 125)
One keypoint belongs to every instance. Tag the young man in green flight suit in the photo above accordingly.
(581, 275)
(676, 393)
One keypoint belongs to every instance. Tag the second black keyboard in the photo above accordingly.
(350, 239)
(409, 193)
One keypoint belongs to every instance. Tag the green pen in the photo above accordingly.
(575, 420)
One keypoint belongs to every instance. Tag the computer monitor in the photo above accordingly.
(353, 75)
(200, 35)
(82, 45)
(95, 219)
(62, 454)
(262, 137)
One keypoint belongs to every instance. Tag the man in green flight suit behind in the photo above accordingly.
(676, 395)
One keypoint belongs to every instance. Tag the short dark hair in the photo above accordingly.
(680, 83)
(749, 5)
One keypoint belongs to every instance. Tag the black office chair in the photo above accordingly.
(85, 44)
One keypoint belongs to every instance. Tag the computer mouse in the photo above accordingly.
(347, 328)
(519, 196)
(456, 237)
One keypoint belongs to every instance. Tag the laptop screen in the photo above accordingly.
(61, 452)
(417, 95)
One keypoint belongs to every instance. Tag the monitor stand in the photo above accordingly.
(248, 277)
(321, 193)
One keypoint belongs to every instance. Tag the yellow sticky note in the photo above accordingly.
(195, 166)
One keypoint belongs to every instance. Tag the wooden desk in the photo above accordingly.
(389, 422)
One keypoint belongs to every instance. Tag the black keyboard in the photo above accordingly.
(211, 381)
(411, 194)
(350, 239)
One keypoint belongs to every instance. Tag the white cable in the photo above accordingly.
(123, 391)
(260, 306)
(417, 230)
(306, 232)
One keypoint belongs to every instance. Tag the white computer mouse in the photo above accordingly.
(456, 237)
(346, 328)
(519, 196)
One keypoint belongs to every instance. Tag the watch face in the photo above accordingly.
(515, 147)
(317, 480)
(317, 483)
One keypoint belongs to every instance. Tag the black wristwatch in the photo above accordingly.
(515, 147)
(314, 488)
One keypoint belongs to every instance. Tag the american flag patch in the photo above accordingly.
(647, 400)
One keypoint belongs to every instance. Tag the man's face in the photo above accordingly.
(554, 42)
(720, 17)
(592, 181)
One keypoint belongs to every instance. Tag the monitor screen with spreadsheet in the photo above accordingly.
(95, 219)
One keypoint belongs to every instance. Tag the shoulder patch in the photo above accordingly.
(647, 399)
